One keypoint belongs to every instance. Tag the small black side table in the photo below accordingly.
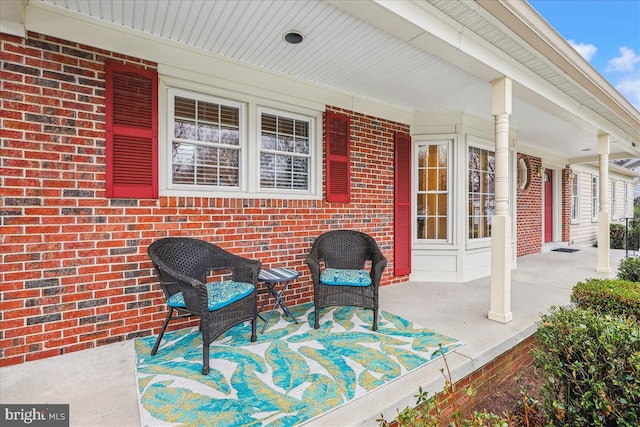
(271, 277)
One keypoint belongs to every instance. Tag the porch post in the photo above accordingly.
(604, 215)
(500, 310)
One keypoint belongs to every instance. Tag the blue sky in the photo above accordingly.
(606, 33)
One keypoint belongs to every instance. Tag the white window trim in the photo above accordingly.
(451, 218)
(614, 199)
(172, 94)
(255, 170)
(250, 143)
(577, 183)
(595, 180)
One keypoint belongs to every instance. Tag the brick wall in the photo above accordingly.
(529, 209)
(75, 273)
(485, 380)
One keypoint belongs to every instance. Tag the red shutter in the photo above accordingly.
(402, 210)
(338, 163)
(132, 132)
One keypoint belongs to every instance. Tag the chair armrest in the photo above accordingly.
(314, 266)
(378, 264)
(246, 270)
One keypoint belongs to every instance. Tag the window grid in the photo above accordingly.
(481, 164)
(206, 143)
(285, 148)
(433, 192)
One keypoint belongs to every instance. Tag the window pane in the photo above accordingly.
(230, 136)
(442, 204)
(184, 129)
(208, 133)
(442, 228)
(442, 180)
(208, 112)
(229, 116)
(302, 146)
(285, 143)
(185, 108)
(268, 141)
(267, 170)
(432, 180)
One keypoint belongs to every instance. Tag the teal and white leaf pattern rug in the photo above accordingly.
(291, 374)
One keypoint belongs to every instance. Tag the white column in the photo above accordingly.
(604, 211)
(500, 310)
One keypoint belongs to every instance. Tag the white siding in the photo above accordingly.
(584, 231)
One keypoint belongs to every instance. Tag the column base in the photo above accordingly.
(603, 270)
(500, 317)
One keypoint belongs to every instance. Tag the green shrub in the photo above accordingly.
(592, 365)
(617, 236)
(609, 296)
(629, 269)
(622, 238)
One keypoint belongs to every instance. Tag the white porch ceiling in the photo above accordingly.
(348, 53)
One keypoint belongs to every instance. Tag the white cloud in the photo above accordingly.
(625, 62)
(629, 87)
(585, 50)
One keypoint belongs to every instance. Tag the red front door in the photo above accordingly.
(548, 206)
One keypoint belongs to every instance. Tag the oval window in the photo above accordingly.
(523, 174)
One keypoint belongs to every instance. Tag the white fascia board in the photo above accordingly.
(180, 60)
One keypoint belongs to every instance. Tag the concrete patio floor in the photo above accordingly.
(100, 384)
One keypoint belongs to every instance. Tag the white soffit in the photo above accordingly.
(362, 48)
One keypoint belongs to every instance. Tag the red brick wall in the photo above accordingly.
(485, 380)
(75, 273)
(529, 209)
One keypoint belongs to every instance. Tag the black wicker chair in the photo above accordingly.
(344, 280)
(182, 265)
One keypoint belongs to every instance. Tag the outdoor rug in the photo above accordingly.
(290, 375)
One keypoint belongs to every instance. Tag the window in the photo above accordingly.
(285, 151)
(228, 147)
(206, 143)
(481, 164)
(433, 191)
(523, 174)
(614, 198)
(595, 201)
(575, 198)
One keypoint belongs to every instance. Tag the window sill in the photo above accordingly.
(238, 194)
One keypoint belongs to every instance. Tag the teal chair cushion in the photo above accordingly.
(220, 294)
(344, 277)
